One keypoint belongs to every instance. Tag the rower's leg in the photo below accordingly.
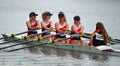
(82, 43)
(75, 42)
(67, 41)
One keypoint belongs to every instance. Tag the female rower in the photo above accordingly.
(61, 26)
(99, 36)
(33, 24)
(77, 29)
(46, 23)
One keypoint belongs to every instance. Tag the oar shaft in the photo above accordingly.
(1, 38)
(24, 42)
(19, 39)
(36, 45)
(26, 47)
(22, 32)
(17, 34)
(9, 41)
(15, 45)
(33, 46)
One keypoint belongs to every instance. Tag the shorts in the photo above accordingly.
(47, 32)
(32, 32)
(75, 37)
(61, 36)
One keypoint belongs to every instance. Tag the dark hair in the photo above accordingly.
(76, 17)
(32, 14)
(61, 14)
(104, 33)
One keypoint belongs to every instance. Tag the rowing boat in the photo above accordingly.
(71, 47)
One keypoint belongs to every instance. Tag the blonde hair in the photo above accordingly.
(44, 15)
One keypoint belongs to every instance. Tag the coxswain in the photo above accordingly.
(99, 36)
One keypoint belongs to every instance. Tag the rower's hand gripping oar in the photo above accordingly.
(53, 41)
(84, 35)
(46, 31)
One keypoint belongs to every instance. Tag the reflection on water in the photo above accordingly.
(98, 57)
(67, 53)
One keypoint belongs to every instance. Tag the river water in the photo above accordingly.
(14, 14)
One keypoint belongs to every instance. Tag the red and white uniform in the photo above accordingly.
(33, 24)
(78, 29)
(46, 25)
(61, 27)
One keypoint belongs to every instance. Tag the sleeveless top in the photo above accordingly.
(61, 27)
(78, 29)
(33, 24)
(98, 39)
(46, 25)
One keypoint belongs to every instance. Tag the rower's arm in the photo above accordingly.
(38, 25)
(91, 39)
(29, 26)
(44, 26)
(57, 28)
(73, 29)
(67, 27)
(51, 24)
(82, 29)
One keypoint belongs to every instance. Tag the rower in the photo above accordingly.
(99, 36)
(33, 24)
(78, 29)
(61, 26)
(46, 24)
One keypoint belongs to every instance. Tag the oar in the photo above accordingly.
(13, 35)
(28, 41)
(87, 34)
(53, 41)
(114, 41)
(19, 39)
(111, 41)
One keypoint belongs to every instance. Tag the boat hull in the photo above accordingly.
(71, 47)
